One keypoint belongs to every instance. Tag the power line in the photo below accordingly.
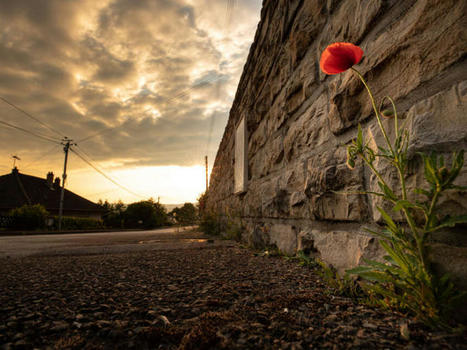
(43, 155)
(31, 116)
(105, 175)
(101, 192)
(30, 132)
(231, 4)
(110, 128)
(183, 93)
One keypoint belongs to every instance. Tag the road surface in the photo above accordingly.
(103, 242)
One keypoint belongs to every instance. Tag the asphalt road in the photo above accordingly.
(103, 242)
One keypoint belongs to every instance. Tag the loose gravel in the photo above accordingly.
(214, 297)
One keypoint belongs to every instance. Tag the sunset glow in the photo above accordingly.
(144, 88)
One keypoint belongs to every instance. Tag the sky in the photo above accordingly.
(143, 87)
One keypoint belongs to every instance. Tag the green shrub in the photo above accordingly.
(28, 217)
(210, 224)
(345, 285)
(233, 230)
(74, 223)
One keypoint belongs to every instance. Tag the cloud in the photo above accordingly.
(156, 75)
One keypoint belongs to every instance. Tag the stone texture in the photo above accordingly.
(440, 121)
(341, 249)
(284, 237)
(452, 260)
(300, 120)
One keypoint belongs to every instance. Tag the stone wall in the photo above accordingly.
(300, 120)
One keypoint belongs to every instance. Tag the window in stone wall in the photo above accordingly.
(241, 160)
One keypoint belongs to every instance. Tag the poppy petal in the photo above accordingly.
(339, 57)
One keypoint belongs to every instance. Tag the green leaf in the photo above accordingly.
(424, 192)
(360, 136)
(399, 260)
(383, 234)
(450, 221)
(377, 265)
(458, 162)
(376, 276)
(387, 191)
(391, 224)
(458, 188)
(384, 152)
(430, 173)
(403, 204)
(359, 269)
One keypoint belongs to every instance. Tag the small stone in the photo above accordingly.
(21, 344)
(404, 329)
(164, 319)
(103, 323)
(59, 326)
(18, 336)
(369, 325)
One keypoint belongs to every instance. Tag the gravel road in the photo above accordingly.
(211, 295)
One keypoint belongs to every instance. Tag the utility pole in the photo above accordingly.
(207, 179)
(66, 142)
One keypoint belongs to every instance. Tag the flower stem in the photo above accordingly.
(373, 102)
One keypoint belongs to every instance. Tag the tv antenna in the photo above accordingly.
(15, 158)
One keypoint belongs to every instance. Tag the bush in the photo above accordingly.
(72, 223)
(210, 224)
(233, 230)
(28, 217)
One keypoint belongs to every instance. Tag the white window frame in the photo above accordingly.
(241, 158)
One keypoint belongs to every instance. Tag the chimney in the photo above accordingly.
(57, 183)
(50, 179)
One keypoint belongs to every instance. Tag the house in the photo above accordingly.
(281, 167)
(18, 189)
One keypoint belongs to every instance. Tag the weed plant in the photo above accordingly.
(406, 280)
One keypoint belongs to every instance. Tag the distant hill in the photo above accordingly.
(171, 207)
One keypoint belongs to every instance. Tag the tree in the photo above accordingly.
(186, 215)
(113, 215)
(145, 214)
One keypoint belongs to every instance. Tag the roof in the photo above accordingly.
(18, 189)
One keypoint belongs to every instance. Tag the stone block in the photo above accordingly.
(439, 122)
(257, 235)
(338, 206)
(341, 249)
(451, 259)
(427, 38)
(310, 130)
(284, 237)
(297, 198)
(345, 107)
(307, 26)
(448, 109)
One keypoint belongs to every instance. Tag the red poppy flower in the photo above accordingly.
(339, 57)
